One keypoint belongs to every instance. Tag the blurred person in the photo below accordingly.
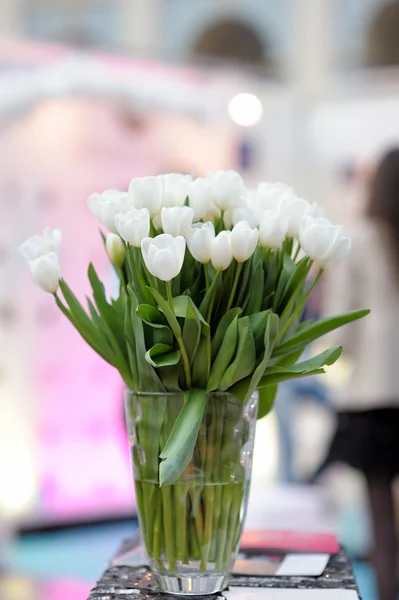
(367, 433)
(289, 396)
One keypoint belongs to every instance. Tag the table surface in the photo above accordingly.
(117, 582)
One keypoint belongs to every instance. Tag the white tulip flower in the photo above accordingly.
(164, 255)
(323, 241)
(243, 241)
(177, 220)
(175, 189)
(315, 211)
(146, 192)
(199, 241)
(156, 221)
(227, 187)
(115, 249)
(39, 245)
(45, 271)
(270, 196)
(273, 229)
(199, 197)
(221, 251)
(134, 225)
(249, 215)
(295, 210)
(212, 213)
(107, 205)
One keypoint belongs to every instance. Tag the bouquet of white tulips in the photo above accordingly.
(213, 283)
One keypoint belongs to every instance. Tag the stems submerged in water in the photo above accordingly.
(196, 522)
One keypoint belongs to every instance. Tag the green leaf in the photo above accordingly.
(287, 271)
(255, 296)
(277, 377)
(130, 343)
(258, 322)
(148, 379)
(138, 282)
(202, 363)
(245, 357)
(243, 285)
(179, 448)
(222, 328)
(313, 366)
(162, 355)
(112, 321)
(151, 315)
(267, 395)
(287, 360)
(167, 311)
(224, 355)
(312, 331)
(88, 332)
(295, 285)
(246, 387)
(184, 307)
(208, 299)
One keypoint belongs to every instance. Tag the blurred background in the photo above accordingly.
(94, 93)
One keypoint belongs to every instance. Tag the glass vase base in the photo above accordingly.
(185, 584)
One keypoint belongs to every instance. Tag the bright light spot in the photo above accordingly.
(245, 109)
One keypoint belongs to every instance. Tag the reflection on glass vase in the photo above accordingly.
(192, 529)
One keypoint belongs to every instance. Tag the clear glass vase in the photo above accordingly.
(192, 529)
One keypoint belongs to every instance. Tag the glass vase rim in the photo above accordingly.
(129, 392)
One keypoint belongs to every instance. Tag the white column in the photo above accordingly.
(11, 17)
(310, 71)
(140, 26)
(311, 64)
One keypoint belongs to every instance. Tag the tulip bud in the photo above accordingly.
(199, 197)
(273, 229)
(107, 205)
(164, 255)
(243, 241)
(175, 189)
(323, 241)
(146, 192)
(212, 213)
(199, 241)
(45, 271)
(295, 210)
(177, 220)
(134, 225)
(39, 245)
(270, 196)
(115, 249)
(221, 251)
(227, 187)
(249, 215)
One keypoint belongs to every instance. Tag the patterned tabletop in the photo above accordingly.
(125, 583)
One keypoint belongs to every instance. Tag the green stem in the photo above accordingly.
(168, 527)
(235, 283)
(207, 282)
(234, 519)
(209, 494)
(180, 494)
(156, 547)
(212, 300)
(170, 295)
(300, 306)
(217, 475)
(297, 252)
(183, 351)
(227, 498)
(148, 501)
